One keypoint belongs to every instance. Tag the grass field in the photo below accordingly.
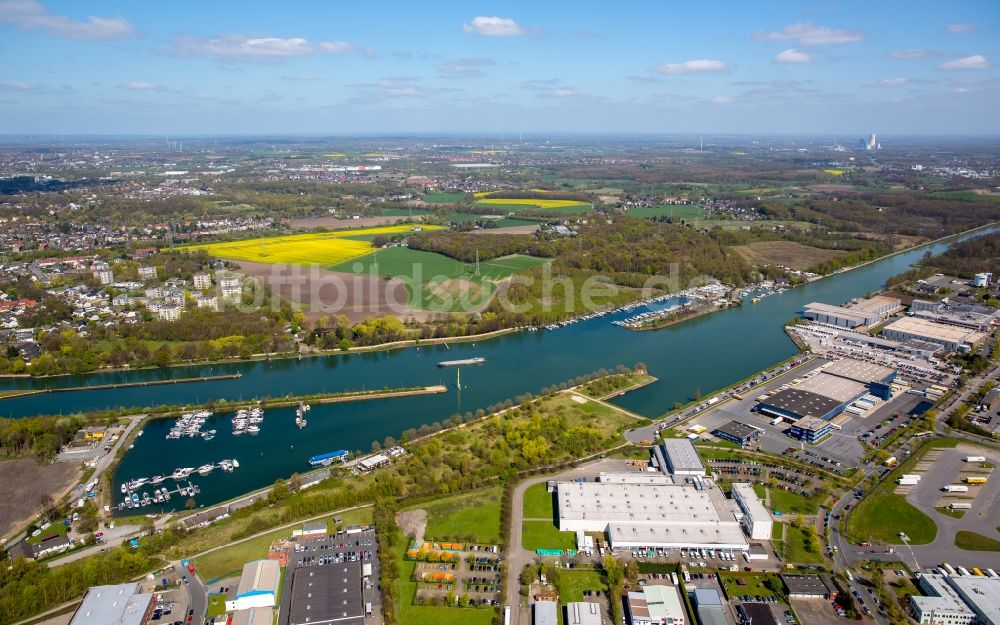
(753, 585)
(320, 248)
(442, 198)
(474, 516)
(563, 206)
(686, 212)
(545, 535)
(538, 502)
(791, 503)
(785, 253)
(572, 583)
(402, 212)
(795, 550)
(216, 605)
(438, 276)
(971, 541)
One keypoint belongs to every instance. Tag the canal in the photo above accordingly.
(699, 355)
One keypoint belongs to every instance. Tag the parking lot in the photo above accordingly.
(358, 547)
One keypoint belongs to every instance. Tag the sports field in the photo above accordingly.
(436, 282)
(320, 248)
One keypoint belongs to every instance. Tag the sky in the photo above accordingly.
(317, 68)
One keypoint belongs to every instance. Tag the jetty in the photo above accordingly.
(104, 387)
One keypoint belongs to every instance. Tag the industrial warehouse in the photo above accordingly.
(860, 314)
(677, 508)
(845, 385)
(953, 338)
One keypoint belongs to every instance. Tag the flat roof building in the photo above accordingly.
(332, 593)
(258, 587)
(810, 429)
(678, 457)
(756, 519)
(940, 603)
(827, 393)
(881, 305)
(756, 614)
(120, 604)
(859, 371)
(545, 613)
(583, 613)
(952, 338)
(648, 515)
(807, 586)
(981, 594)
(656, 604)
(708, 606)
(254, 616)
(736, 432)
(839, 316)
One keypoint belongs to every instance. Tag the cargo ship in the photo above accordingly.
(461, 363)
(322, 460)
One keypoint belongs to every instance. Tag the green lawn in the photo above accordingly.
(436, 271)
(681, 211)
(510, 222)
(538, 502)
(753, 587)
(971, 541)
(411, 614)
(56, 529)
(572, 583)
(216, 605)
(402, 212)
(474, 516)
(778, 536)
(795, 550)
(442, 198)
(791, 503)
(545, 535)
(760, 490)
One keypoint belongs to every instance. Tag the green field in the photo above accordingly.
(686, 212)
(442, 198)
(471, 516)
(753, 585)
(971, 541)
(572, 583)
(795, 550)
(216, 605)
(440, 278)
(792, 503)
(545, 535)
(402, 212)
(538, 502)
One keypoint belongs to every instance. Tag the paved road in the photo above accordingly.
(197, 595)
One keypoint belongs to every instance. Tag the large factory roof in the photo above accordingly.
(930, 329)
(636, 503)
(858, 370)
(751, 503)
(834, 387)
(877, 303)
(982, 594)
(803, 403)
(681, 455)
(838, 311)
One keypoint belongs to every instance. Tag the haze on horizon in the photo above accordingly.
(111, 67)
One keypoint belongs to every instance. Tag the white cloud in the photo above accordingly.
(976, 61)
(31, 14)
(15, 86)
(698, 66)
(140, 85)
(243, 47)
(722, 99)
(912, 54)
(962, 28)
(809, 34)
(890, 82)
(792, 55)
(486, 26)
(466, 68)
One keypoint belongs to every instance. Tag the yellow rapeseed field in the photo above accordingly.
(322, 248)
(531, 202)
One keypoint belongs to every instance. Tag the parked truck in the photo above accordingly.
(975, 458)
(910, 476)
(890, 461)
(975, 480)
(960, 506)
(955, 488)
(907, 481)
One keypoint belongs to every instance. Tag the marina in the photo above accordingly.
(696, 354)
(137, 494)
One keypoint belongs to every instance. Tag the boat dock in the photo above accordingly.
(104, 387)
(478, 360)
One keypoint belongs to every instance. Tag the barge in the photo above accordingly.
(478, 360)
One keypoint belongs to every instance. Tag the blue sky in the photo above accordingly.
(184, 67)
